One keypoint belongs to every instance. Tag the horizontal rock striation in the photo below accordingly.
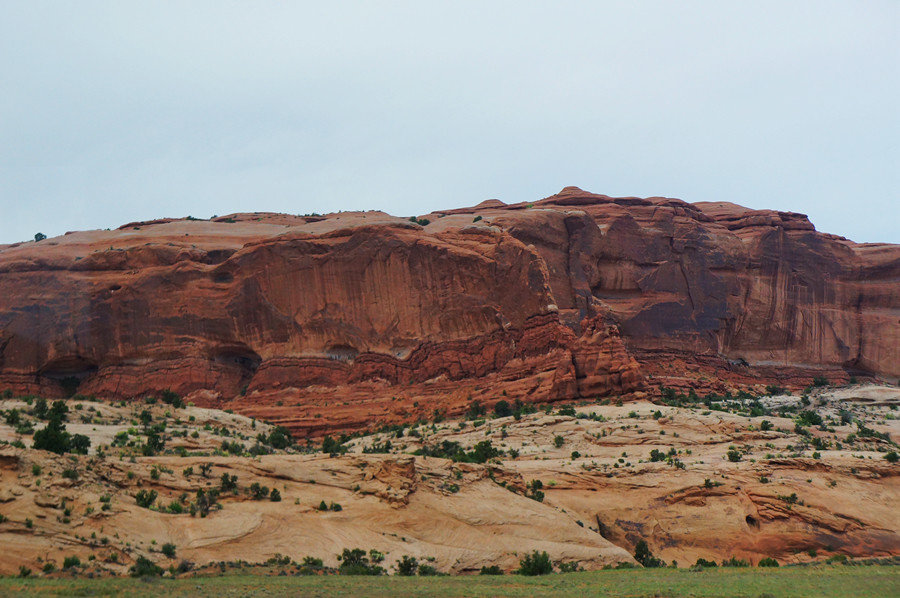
(576, 295)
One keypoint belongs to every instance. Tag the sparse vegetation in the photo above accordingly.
(535, 563)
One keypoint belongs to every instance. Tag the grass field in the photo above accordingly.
(819, 581)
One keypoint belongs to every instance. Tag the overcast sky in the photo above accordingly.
(118, 111)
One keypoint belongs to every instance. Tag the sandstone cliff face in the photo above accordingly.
(546, 301)
(760, 287)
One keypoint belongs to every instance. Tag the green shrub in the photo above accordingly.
(71, 561)
(258, 492)
(701, 562)
(536, 563)
(502, 409)
(168, 549)
(407, 566)
(355, 562)
(144, 567)
(145, 498)
(280, 438)
(767, 562)
(735, 562)
(228, 482)
(332, 446)
(492, 570)
(643, 555)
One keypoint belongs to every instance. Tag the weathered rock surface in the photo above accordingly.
(577, 295)
(790, 496)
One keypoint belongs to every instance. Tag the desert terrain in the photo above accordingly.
(744, 477)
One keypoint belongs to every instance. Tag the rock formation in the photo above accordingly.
(574, 296)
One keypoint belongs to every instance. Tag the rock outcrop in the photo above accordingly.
(577, 295)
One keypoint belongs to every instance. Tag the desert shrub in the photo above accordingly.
(809, 418)
(536, 563)
(54, 438)
(735, 562)
(502, 409)
(275, 496)
(892, 457)
(355, 562)
(734, 455)
(228, 483)
(428, 571)
(280, 438)
(701, 562)
(203, 502)
(567, 410)
(570, 567)
(310, 566)
(332, 446)
(168, 549)
(172, 398)
(13, 417)
(767, 562)
(492, 570)
(155, 443)
(407, 566)
(258, 492)
(145, 498)
(475, 410)
(558, 441)
(643, 555)
(144, 567)
(71, 561)
(533, 490)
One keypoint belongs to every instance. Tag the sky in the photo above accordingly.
(112, 112)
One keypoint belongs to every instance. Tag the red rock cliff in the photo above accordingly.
(548, 300)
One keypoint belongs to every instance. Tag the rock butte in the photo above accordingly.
(330, 323)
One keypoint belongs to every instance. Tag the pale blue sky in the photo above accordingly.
(119, 111)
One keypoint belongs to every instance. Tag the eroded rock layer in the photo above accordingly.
(576, 295)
